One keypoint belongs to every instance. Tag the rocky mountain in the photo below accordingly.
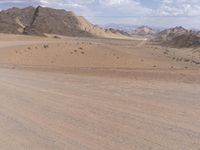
(15, 20)
(178, 37)
(117, 31)
(41, 20)
(143, 30)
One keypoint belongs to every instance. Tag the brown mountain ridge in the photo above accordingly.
(41, 20)
(178, 37)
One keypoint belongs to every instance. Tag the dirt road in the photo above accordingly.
(44, 111)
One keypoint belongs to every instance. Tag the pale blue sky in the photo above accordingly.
(164, 13)
(153, 4)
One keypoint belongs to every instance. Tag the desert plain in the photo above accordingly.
(68, 93)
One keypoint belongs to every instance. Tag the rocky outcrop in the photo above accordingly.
(14, 20)
(178, 37)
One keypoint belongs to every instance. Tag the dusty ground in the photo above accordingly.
(95, 100)
(85, 52)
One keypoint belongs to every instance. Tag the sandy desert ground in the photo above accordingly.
(96, 94)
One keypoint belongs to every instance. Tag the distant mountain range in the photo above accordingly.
(133, 30)
(129, 27)
(174, 37)
(143, 31)
(123, 27)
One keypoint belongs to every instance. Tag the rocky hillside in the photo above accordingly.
(15, 20)
(40, 20)
(117, 31)
(143, 30)
(178, 37)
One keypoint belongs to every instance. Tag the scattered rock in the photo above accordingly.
(46, 46)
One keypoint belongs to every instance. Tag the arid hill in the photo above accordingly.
(14, 20)
(117, 31)
(178, 37)
(143, 31)
(40, 20)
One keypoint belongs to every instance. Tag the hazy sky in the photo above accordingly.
(138, 12)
